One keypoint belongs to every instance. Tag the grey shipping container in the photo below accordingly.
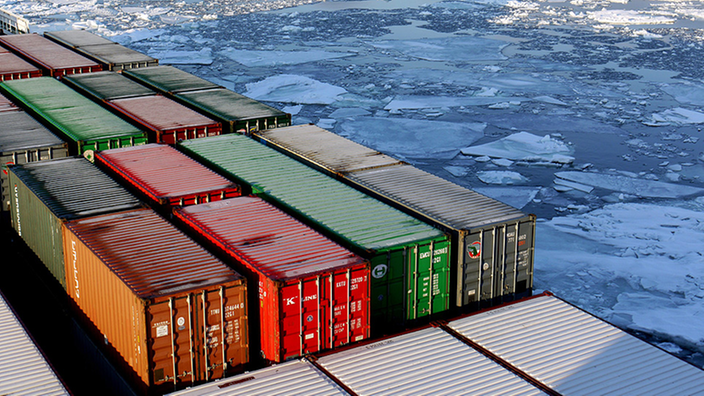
(493, 243)
(44, 195)
(24, 140)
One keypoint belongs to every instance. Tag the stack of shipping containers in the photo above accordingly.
(492, 242)
(54, 59)
(85, 125)
(237, 113)
(166, 120)
(409, 259)
(6, 104)
(12, 67)
(111, 55)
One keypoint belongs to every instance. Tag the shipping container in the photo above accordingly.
(45, 194)
(166, 120)
(24, 370)
(313, 293)
(236, 112)
(493, 242)
(54, 59)
(111, 55)
(409, 259)
(428, 361)
(24, 140)
(6, 104)
(166, 176)
(12, 67)
(575, 353)
(169, 312)
(106, 85)
(85, 125)
(297, 377)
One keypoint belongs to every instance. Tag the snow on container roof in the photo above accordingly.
(228, 105)
(162, 114)
(73, 188)
(149, 254)
(351, 215)
(296, 377)
(275, 243)
(106, 85)
(169, 79)
(23, 368)
(164, 173)
(575, 353)
(51, 56)
(76, 38)
(19, 131)
(423, 362)
(12, 67)
(74, 115)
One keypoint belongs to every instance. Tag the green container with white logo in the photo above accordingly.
(409, 259)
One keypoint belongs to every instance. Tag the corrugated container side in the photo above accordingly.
(85, 124)
(313, 293)
(238, 113)
(45, 194)
(169, 313)
(166, 176)
(409, 259)
(106, 85)
(13, 67)
(24, 370)
(168, 120)
(168, 79)
(56, 60)
(298, 377)
(24, 140)
(575, 353)
(423, 362)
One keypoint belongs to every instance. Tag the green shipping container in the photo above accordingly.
(83, 123)
(410, 264)
(44, 195)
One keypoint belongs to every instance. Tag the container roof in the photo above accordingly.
(150, 255)
(11, 63)
(163, 171)
(19, 131)
(169, 79)
(67, 110)
(106, 85)
(114, 54)
(76, 38)
(23, 368)
(424, 362)
(345, 212)
(161, 113)
(73, 188)
(266, 238)
(228, 105)
(6, 104)
(45, 51)
(575, 353)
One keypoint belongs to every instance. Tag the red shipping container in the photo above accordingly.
(13, 67)
(167, 176)
(170, 314)
(168, 120)
(313, 293)
(55, 59)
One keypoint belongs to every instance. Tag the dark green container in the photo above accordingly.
(106, 85)
(409, 259)
(236, 112)
(78, 120)
(44, 195)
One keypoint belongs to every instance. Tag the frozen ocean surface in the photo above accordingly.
(587, 113)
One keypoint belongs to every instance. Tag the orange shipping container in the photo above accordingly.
(170, 313)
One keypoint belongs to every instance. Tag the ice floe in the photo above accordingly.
(453, 49)
(274, 58)
(630, 185)
(501, 177)
(524, 146)
(289, 88)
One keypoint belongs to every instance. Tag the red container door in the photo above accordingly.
(350, 320)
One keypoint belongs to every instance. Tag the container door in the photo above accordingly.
(478, 268)
(525, 245)
(358, 311)
(304, 311)
(388, 289)
(427, 291)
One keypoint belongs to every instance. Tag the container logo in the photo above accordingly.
(17, 211)
(379, 271)
(74, 256)
(475, 249)
(4, 168)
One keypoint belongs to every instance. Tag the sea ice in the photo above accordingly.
(453, 49)
(630, 185)
(518, 197)
(276, 58)
(628, 17)
(679, 116)
(524, 146)
(425, 102)
(289, 88)
(501, 177)
(174, 57)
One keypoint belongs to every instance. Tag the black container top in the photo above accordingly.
(114, 54)
(76, 38)
(169, 79)
(74, 188)
(107, 85)
(19, 131)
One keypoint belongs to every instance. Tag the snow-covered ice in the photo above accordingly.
(525, 146)
(630, 185)
(289, 88)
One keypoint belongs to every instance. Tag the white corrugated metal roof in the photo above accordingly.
(576, 353)
(297, 377)
(23, 368)
(424, 362)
